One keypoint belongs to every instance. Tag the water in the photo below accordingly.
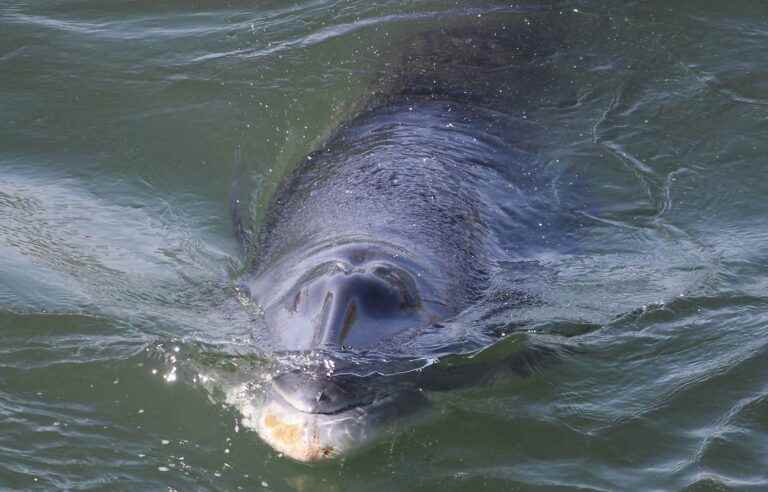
(121, 125)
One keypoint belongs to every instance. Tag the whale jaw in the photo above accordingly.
(312, 437)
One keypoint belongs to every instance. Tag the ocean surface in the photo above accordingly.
(122, 125)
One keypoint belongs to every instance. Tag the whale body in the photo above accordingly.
(390, 229)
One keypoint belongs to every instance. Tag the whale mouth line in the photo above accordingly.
(308, 433)
(352, 406)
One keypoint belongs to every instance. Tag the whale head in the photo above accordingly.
(357, 299)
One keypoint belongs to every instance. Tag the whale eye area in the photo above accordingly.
(297, 301)
(402, 283)
(338, 304)
(379, 290)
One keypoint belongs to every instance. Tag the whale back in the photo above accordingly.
(415, 178)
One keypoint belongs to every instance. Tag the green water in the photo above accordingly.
(121, 123)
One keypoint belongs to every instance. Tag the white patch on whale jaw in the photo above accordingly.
(310, 436)
(306, 437)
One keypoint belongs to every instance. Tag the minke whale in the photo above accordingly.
(390, 229)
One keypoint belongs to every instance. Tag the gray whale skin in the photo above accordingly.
(386, 231)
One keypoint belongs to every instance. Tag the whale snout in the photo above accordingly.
(343, 303)
(311, 437)
(322, 394)
(313, 418)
